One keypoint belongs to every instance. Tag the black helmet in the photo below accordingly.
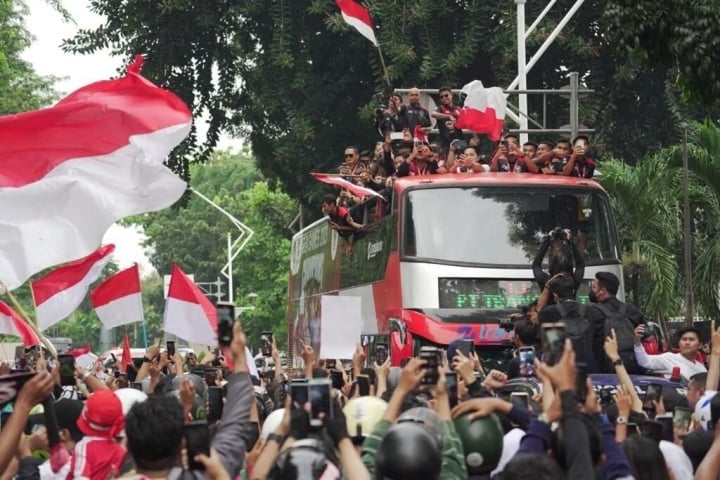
(428, 419)
(408, 452)
(305, 460)
(482, 441)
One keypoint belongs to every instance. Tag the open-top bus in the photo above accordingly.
(450, 256)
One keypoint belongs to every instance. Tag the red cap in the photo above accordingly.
(102, 415)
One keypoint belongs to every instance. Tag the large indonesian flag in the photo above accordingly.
(358, 17)
(188, 312)
(68, 172)
(12, 324)
(483, 111)
(60, 292)
(338, 181)
(118, 301)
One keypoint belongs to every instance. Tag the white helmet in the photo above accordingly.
(129, 397)
(271, 423)
(702, 409)
(362, 413)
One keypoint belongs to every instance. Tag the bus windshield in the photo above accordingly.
(503, 226)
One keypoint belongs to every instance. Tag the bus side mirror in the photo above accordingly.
(397, 325)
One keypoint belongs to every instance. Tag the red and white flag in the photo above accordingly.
(118, 301)
(12, 324)
(188, 312)
(358, 190)
(68, 172)
(358, 17)
(419, 135)
(483, 111)
(60, 292)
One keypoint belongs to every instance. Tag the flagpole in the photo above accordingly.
(26, 318)
(384, 68)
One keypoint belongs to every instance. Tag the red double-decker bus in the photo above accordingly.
(449, 257)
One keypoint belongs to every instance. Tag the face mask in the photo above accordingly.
(592, 297)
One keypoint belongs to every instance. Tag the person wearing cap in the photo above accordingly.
(98, 456)
(686, 359)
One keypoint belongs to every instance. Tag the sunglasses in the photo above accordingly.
(445, 95)
(348, 155)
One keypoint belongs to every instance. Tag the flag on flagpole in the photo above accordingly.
(126, 358)
(188, 312)
(358, 190)
(483, 111)
(12, 324)
(68, 172)
(118, 301)
(60, 292)
(359, 18)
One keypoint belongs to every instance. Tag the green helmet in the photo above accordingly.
(482, 441)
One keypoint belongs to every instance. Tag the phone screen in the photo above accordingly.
(652, 430)
(526, 357)
(266, 344)
(381, 353)
(452, 388)
(319, 393)
(67, 369)
(215, 404)
(225, 322)
(681, 420)
(338, 380)
(653, 392)
(197, 441)
(520, 399)
(666, 421)
(170, 348)
(466, 346)
(136, 386)
(553, 341)
(581, 382)
(363, 383)
(299, 391)
(431, 355)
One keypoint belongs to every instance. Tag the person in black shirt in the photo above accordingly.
(565, 257)
(414, 114)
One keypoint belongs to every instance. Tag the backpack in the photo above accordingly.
(577, 329)
(624, 331)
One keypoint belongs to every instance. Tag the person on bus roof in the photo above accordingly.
(579, 164)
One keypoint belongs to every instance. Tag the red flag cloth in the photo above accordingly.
(188, 312)
(358, 17)
(359, 191)
(12, 324)
(68, 172)
(60, 292)
(483, 111)
(126, 358)
(419, 135)
(79, 352)
(118, 301)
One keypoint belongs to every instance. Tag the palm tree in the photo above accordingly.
(704, 168)
(645, 199)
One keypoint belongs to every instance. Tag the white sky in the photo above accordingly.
(49, 29)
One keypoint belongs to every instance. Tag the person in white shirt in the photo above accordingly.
(686, 359)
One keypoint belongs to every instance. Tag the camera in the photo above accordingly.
(508, 323)
(557, 234)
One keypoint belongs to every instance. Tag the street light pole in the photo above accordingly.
(686, 232)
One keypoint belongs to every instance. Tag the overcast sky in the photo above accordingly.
(49, 29)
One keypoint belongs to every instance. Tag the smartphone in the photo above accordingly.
(652, 430)
(581, 382)
(266, 344)
(504, 143)
(338, 380)
(452, 388)
(606, 397)
(666, 421)
(170, 348)
(466, 346)
(363, 383)
(225, 323)
(67, 369)
(520, 399)
(215, 404)
(526, 357)
(116, 373)
(381, 353)
(461, 145)
(320, 400)
(136, 385)
(299, 391)
(653, 392)
(197, 441)
(681, 420)
(431, 355)
(552, 337)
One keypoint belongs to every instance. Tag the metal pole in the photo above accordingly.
(546, 44)
(522, 74)
(531, 28)
(229, 268)
(574, 104)
(686, 231)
